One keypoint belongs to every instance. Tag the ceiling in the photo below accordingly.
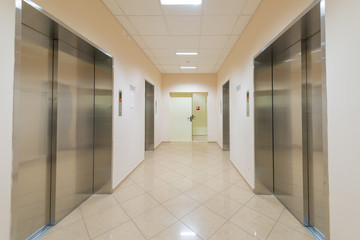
(211, 29)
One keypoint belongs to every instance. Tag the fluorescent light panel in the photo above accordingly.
(188, 67)
(187, 53)
(181, 2)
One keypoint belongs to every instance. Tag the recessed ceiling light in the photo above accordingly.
(187, 53)
(188, 67)
(181, 2)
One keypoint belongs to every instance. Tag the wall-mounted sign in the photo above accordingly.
(132, 96)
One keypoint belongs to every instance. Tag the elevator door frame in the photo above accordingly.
(149, 116)
(301, 28)
(226, 115)
(46, 24)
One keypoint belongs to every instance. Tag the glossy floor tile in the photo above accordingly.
(182, 191)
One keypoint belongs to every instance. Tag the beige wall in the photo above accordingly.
(7, 26)
(189, 83)
(271, 17)
(343, 84)
(93, 20)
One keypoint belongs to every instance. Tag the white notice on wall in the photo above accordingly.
(132, 96)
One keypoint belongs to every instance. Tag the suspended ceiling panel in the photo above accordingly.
(210, 29)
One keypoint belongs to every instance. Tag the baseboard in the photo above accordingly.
(127, 176)
(242, 176)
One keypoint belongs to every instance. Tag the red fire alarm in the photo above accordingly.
(198, 108)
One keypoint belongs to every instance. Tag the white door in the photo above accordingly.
(180, 124)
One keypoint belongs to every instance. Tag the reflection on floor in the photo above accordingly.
(182, 191)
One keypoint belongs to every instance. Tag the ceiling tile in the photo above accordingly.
(231, 41)
(250, 7)
(155, 61)
(212, 53)
(218, 66)
(183, 42)
(223, 7)
(213, 41)
(241, 24)
(187, 60)
(183, 25)
(171, 68)
(206, 71)
(206, 67)
(207, 61)
(140, 42)
(148, 53)
(225, 52)
(218, 25)
(169, 61)
(157, 41)
(113, 7)
(140, 7)
(211, 29)
(182, 10)
(164, 53)
(221, 61)
(149, 25)
(127, 25)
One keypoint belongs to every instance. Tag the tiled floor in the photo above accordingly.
(182, 191)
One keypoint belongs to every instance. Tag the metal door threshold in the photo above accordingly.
(315, 233)
(41, 232)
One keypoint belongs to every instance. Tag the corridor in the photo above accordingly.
(181, 191)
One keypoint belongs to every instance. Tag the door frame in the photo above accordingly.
(153, 116)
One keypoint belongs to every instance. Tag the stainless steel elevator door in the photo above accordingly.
(226, 116)
(288, 130)
(263, 123)
(33, 134)
(149, 116)
(75, 114)
(315, 133)
(103, 124)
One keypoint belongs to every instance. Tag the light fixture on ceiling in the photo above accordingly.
(181, 2)
(188, 67)
(187, 53)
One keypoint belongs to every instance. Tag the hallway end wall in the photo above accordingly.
(342, 69)
(131, 67)
(190, 83)
(7, 40)
(270, 18)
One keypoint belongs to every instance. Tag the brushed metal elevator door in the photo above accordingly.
(226, 116)
(315, 133)
(75, 113)
(103, 124)
(33, 134)
(288, 130)
(149, 116)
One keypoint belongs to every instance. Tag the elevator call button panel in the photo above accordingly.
(120, 103)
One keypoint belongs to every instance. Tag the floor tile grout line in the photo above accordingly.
(83, 219)
(291, 227)
(273, 226)
(198, 162)
(131, 219)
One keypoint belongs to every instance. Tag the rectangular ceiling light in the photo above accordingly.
(188, 67)
(181, 2)
(187, 53)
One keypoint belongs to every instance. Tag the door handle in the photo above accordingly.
(191, 118)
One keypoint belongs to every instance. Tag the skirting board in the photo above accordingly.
(122, 181)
